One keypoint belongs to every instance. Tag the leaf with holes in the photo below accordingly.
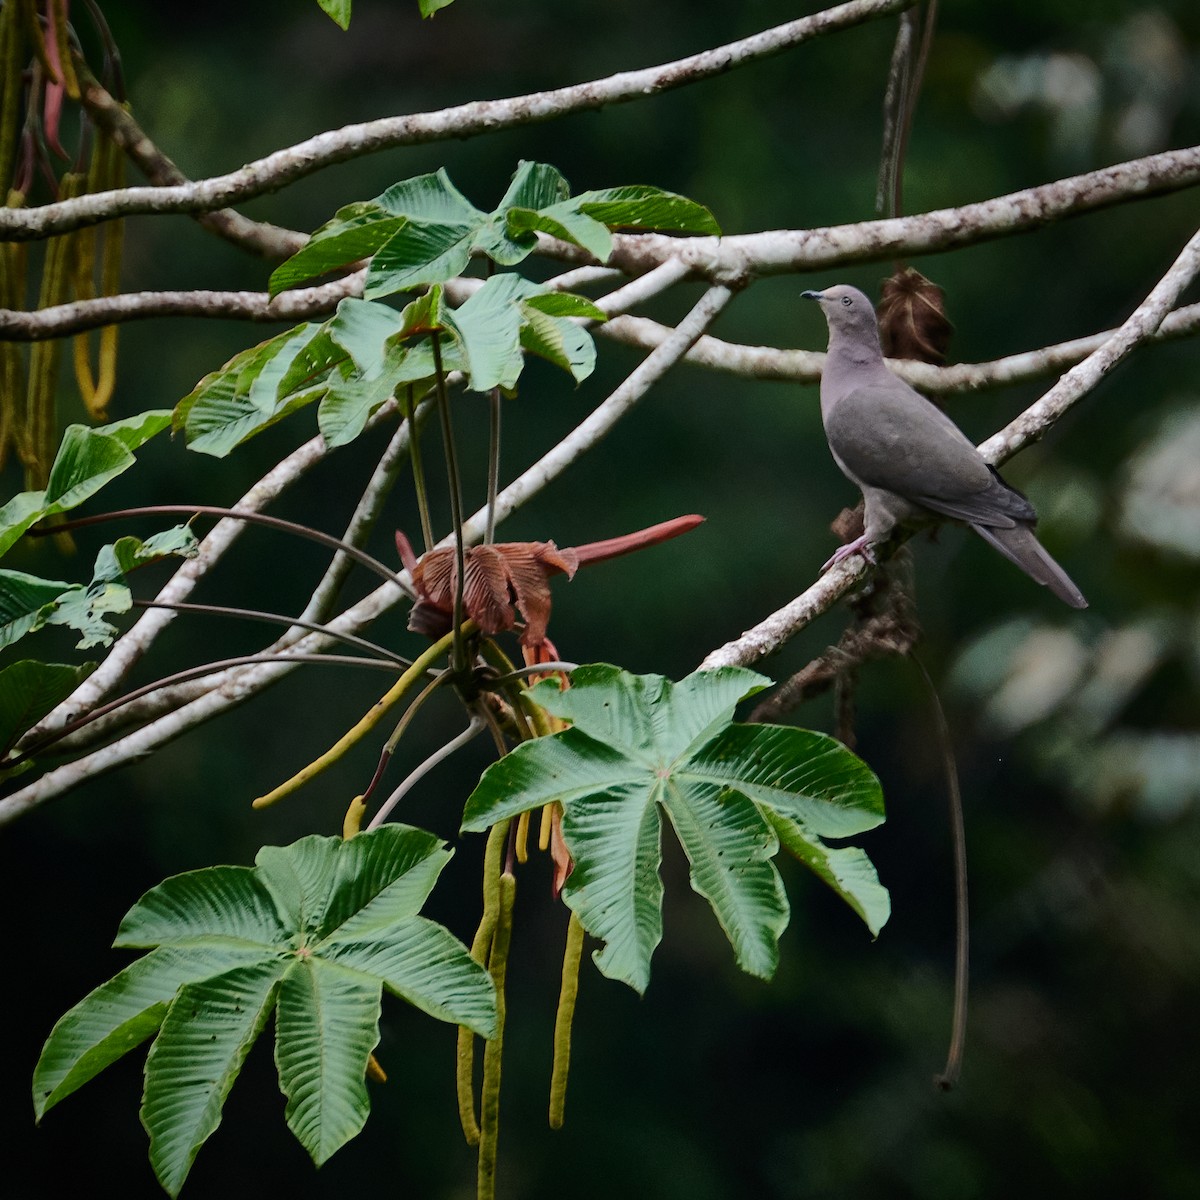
(642, 746)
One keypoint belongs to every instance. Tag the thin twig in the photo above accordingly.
(962, 923)
(31, 750)
(269, 618)
(476, 727)
(256, 518)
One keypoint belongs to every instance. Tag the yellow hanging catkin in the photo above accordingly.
(12, 358)
(489, 1103)
(106, 172)
(481, 952)
(563, 1019)
(12, 86)
(41, 421)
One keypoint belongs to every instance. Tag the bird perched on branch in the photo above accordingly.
(908, 457)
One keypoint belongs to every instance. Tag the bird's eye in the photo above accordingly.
(847, 301)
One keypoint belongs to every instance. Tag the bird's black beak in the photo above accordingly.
(813, 295)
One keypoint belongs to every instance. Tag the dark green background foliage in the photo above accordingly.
(1078, 736)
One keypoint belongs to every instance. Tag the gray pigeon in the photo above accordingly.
(908, 457)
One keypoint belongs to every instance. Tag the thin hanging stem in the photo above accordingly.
(912, 91)
(269, 618)
(493, 482)
(389, 747)
(456, 514)
(418, 468)
(213, 510)
(476, 727)
(953, 1068)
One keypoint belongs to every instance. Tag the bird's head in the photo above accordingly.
(847, 310)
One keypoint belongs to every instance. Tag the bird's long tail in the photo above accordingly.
(1019, 545)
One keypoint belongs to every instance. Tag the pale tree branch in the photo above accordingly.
(770, 634)
(275, 171)
(781, 252)
(230, 688)
(726, 259)
(17, 325)
(804, 366)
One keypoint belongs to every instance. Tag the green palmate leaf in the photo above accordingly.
(203, 1041)
(29, 690)
(355, 232)
(430, 198)
(26, 603)
(847, 870)
(85, 609)
(641, 207)
(419, 253)
(20, 513)
(318, 928)
(564, 221)
(120, 1015)
(243, 398)
(559, 341)
(360, 328)
(639, 746)
(429, 7)
(317, 361)
(488, 326)
(565, 304)
(347, 406)
(128, 553)
(86, 460)
(326, 1027)
(339, 10)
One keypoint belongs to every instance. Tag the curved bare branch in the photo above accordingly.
(285, 166)
(781, 252)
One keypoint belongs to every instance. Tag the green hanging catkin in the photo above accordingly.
(489, 1106)
(12, 357)
(572, 953)
(41, 422)
(12, 87)
(481, 951)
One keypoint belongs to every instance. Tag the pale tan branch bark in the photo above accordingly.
(804, 366)
(17, 325)
(781, 252)
(285, 166)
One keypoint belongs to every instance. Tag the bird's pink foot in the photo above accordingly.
(860, 545)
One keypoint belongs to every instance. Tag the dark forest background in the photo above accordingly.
(1077, 735)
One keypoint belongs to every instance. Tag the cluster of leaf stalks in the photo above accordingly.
(487, 683)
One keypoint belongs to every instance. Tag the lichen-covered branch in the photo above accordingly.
(464, 120)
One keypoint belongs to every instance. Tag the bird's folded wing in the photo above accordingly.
(893, 438)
